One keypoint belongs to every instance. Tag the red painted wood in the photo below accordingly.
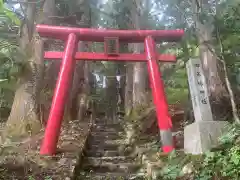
(158, 93)
(53, 55)
(72, 36)
(98, 35)
(59, 99)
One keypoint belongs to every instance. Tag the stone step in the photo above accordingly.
(108, 176)
(95, 141)
(107, 129)
(108, 126)
(104, 157)
(101, 121)
(105, 121)
(111, 167)
(103, 146)
(109, 135)
(118, 176)
(114, 160)
(101, 153)
(112, 125)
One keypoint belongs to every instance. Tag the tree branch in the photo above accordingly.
(230, 91)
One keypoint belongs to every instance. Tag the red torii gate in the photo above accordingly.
(72, 36)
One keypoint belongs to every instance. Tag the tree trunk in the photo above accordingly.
(52, 68)
(129, 89)
(85, 90)
(139, 70)
(24, 118)
(78, 101)
(139, 84)
(111, 97)
(121, 88)
(212, 70)
(77, 86)
(210, 63)
(49, 84)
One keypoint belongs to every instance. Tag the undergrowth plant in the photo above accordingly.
(222, 162)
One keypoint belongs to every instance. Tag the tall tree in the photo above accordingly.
(24, 118)
(111, 94)
(139, 69)
(204, 17)
(198, 18)
(80, 92)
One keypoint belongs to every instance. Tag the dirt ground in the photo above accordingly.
(21, 160)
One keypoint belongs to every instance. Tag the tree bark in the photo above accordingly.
(121, 88)
(129, 89)
(219, 97)
(83, 96)
(51, 70)
(24, 118)
(139, 70)
(111, 96)
(81, 83)
(75, 99)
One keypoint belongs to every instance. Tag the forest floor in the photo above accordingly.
(21, 160)
(222, 162)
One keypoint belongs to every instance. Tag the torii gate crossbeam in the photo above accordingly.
(72, 36)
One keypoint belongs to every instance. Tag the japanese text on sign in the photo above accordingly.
(200, 83)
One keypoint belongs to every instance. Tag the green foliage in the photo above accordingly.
(7, 16)
(221, 162)
(233, 132)
(138, 113)
(228, 26)
(225, 160)
(176, 85)
(224, 163)
(173, 169)
(176, 95)
(11, 58)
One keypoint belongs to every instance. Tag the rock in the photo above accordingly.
(129, 134)
(149, 169)
(63, 161)
(188, 169)
(153, 169)
(144, 159)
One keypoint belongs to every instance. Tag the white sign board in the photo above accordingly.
(198, 90)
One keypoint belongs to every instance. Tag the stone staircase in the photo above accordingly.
(104, 157)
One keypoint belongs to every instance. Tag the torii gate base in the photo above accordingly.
(72, 36)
